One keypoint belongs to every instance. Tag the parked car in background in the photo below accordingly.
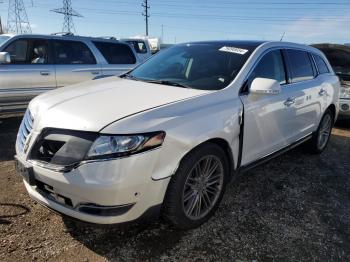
(33, 64)
(4, 38)
(153, 43)
(168, 136)
(339, 58)
(141, 47)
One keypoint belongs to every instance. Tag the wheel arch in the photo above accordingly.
(223, 144)
(333, 110)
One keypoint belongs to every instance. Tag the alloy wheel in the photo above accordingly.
(203, 187)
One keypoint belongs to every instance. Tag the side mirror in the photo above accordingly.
(265, 86)
(5, 58)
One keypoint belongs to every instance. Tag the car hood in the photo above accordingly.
(90, 106)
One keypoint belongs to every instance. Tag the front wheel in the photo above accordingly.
(195, 191)
(320, 138)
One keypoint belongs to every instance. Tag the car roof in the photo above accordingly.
(69, 37)
(254, 44)
(249, 43)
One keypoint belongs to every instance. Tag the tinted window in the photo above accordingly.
(321, 65)
(139, 46)
(270, 66)
(206, 66)
(18, 51)
(115, 53)
(301, 67)
(26, 51)
(72, 52)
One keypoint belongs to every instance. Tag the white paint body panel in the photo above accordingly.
(189, 117)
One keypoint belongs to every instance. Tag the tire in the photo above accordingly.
(316, 145)
(195, 191)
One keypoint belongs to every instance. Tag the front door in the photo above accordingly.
(30, 72)
(268, 122)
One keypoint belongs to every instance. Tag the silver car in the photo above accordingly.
(33, 64)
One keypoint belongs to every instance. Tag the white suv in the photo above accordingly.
(168, 136)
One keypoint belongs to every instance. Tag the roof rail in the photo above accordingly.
(63, 34)
(108, 37)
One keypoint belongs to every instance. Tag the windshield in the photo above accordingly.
(3, 38)
(339, 59)
(200, 66)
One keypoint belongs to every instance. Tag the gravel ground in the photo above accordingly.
(294, 208)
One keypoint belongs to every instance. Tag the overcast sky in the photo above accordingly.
(305, 21)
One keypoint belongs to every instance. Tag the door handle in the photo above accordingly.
(95, 72)
(322, 92)
(290, 101)
(44, 73)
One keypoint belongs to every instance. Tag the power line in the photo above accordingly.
(17, 19)
(68, 12)
(146, 14)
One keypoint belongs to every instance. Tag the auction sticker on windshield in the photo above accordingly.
(234, 50)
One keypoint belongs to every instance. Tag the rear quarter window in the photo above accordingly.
(321, 64)
(116, 53)
(300, 65)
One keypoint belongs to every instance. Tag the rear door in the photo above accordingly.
(30, 72)
(305, 98)
(119, 57)
(74, 62)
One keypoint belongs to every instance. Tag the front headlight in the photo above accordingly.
(111, 146)
(344, 92)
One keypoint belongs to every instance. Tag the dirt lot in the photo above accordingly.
(294, 208)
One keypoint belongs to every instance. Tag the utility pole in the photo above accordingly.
(1, 28)
(145, 13)
(162, 33)
(17, 19)
(68, 12)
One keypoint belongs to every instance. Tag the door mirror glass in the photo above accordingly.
(265, 86)
(5, 58)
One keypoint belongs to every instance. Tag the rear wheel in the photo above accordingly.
(321, 137)
(195, 191)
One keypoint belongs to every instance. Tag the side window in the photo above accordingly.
(72, 52)
(321, 65)
(139, 46)
(116, 53)
(18, 51)
(29, 51)
(301, 67)
(39, 52)
(270, 66)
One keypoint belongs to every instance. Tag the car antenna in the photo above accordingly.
(282, 36)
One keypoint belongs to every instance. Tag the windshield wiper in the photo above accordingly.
(161, 82)
(166, 82)
(129, 76)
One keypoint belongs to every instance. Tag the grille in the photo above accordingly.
(24, 130)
